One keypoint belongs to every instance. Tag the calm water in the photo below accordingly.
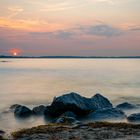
(36, 81)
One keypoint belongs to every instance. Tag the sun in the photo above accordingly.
(15, 53)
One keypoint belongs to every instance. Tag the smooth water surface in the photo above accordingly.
(36, 81)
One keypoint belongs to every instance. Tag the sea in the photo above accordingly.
(33, 82)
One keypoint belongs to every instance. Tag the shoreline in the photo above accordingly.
(90, 131)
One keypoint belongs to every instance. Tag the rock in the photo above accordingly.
(39, 110)
(126, 106)
(25, 138)
(77, 104)
(101, 102)
(107, 114)
(69, 102)
(2, 132)
(22, 112)
(13, 107)
(67, 120)
(69, 114)
(134, 117)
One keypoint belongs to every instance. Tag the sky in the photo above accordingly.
(70, 27)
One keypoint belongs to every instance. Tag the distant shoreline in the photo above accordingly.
(74, 57)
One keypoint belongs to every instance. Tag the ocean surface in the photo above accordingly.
(32, 82)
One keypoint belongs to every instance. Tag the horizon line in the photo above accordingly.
(66, 56)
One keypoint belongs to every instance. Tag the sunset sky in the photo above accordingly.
(70, 27)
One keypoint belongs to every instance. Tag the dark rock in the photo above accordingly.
(25, 138)
(39, 110)
(22, 112)
(134, 117)
(126, 106)
(101, 102)
(106, 115)
(69, 114)
(13, 107)
(77, 104)
(69, 102)
(67, 120)
(2, 132)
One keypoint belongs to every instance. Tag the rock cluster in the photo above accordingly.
(107, 114)
(126, 106)
(77, 104)
(69, 108)
(134, 117)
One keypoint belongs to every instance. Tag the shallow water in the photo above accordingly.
(36, 81)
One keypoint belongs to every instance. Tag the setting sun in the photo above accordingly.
(15, 51)
(15, 54)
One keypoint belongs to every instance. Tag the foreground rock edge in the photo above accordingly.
(125, 128)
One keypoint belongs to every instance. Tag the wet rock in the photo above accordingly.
(39, 110)
(126, 106)
(13, 107)
(134, 117)
(67, 120)
(26, 138)
(69, 114)
(77, 104)
(107, 114)
(22, 112)
(100, 102)
(69, 102)
(2, 132)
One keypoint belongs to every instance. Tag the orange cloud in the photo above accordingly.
(30, 25)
